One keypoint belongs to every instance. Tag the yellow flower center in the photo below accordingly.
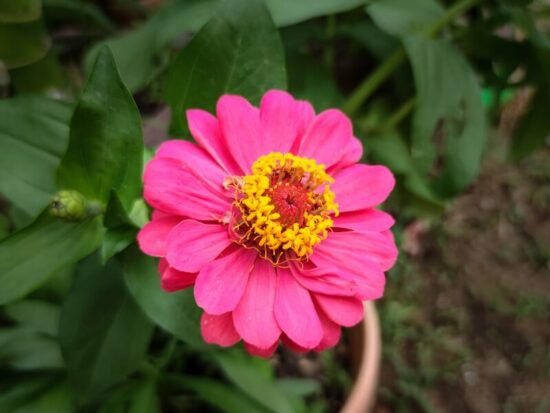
(284, 207)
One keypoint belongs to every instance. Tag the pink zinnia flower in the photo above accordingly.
(272, 221)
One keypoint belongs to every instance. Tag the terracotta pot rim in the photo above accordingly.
(363, 393)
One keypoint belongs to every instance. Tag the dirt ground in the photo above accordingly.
(466, 314)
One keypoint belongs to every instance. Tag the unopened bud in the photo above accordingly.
(71, 205)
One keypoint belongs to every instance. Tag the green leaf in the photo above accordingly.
(448, 95)
(287, 12)
(32, 255)
(33, 135)
(106, 146)
(136, 396)
(103, 333)
(534, 127)
(238, 51)
(23, 43)
(245, 376)
(45, 76)
(176, 312)
(27, 349)
(115, 241)
(404, 17)
(20, 10)
(225, 398)
(138, 52)
(44, 394)
(37, 315)
(76, 11)
(298, 387)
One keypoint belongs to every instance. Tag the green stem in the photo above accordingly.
(371, 83)
(401, 113)
(329, 48)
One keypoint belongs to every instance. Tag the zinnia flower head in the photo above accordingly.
(272, 220)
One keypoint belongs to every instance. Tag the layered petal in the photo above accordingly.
(365, 220)
(295, 312)
(196, 160)
(254, 317)
(152, 237)
(176, 190)
(352, 155)
(205, 129)
(355, 251)
(173, 280)
(327, 138)
(331, 332)
(219, 329)
(282, 121)
(362, 186)
(192, 244)
(344, 311)
(317, 281)
(261, 352)
(240, 127)
(221, 283)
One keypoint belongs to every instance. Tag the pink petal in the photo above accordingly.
(152, 237)
(173, 280)
(176, 190)
(192, 244)
(281, 119)
(260, 352)
(331, 330)
(355, 251)
(240, 126)
(196, 160)
(293, 346)
(327, 138)
(206, 130)
(221, 283)
(253, 316)
(344, 311)
(306, 113)
(353, 154)
(295, 312)
(219, 329)
(362, 186)
(365, 220)
(331, 284)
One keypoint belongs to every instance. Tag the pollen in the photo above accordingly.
(284, 206)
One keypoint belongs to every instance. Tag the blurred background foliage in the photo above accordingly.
(453, 96)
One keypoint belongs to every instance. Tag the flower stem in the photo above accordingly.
(369, 85)
(401, 113)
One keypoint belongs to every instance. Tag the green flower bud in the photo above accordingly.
(69, 205)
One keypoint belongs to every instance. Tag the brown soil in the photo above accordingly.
(466, 313)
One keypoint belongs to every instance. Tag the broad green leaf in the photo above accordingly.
(103, 333)
(176, 312)
(238, 51)
(225, 398)
(37, 394)
(287, 12)
(77, 11)
(23, 43)
(534, 126)
(37, 315)
(115, 241)
(34, 133)
(138, 52)
(403, 17)
(136, 396)
(106, 146)
(448, 95)
(20, 10)
(245, 376)
(298, 387)
(32, 255)
(46, 76)
(27, 349)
